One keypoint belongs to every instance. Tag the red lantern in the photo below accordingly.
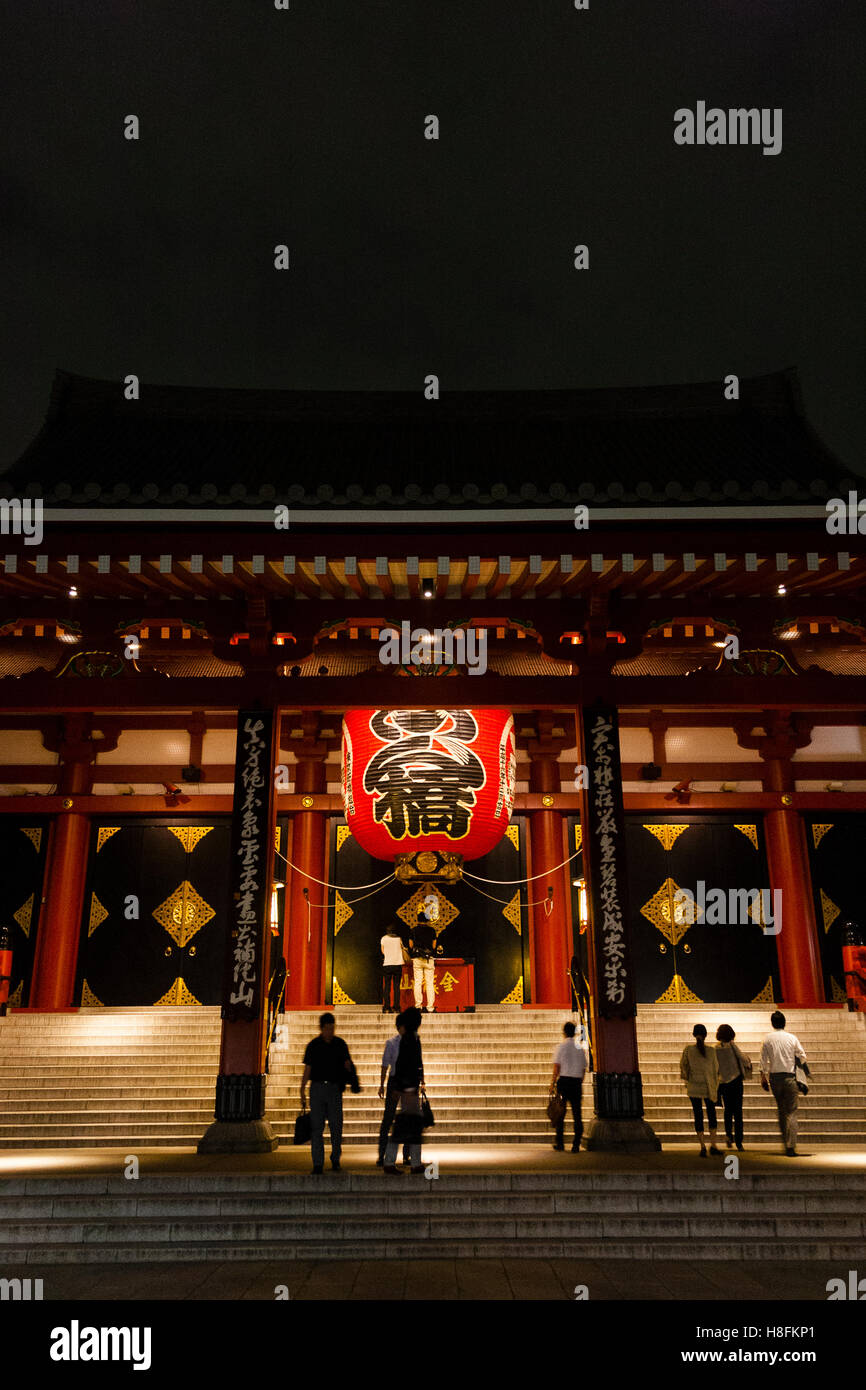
(440, 780)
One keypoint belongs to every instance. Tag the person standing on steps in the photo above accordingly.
(569, 1069)
(392, 969)
(422, 948)
(734, 1067)
(409, 1083)
(328, 1068)
(389, 1064)
(699, 1069)
(780, 1053)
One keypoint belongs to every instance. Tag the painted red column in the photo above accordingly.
(56, 956)
(797, 942)
(551, 956)
(306, 926)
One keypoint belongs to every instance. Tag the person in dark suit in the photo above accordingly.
(328, 1068)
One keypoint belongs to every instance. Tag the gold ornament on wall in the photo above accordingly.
(189, 835)
(183, 913)
(829, 910)
(667, 835)
(177, 995)
(672, 919)
(24, 915)
(98, 914)
(678, 992)
(515, 996)
(818, 833)
(33, 834)
(104, 833)
(750, 832)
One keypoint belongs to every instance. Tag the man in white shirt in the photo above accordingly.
(392, 968)
(569, 1069)
(780, 1053)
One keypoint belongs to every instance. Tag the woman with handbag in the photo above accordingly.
(410, 1089)
(699, 1069)
(734, 1068)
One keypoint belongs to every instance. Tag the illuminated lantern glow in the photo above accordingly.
(437, 780)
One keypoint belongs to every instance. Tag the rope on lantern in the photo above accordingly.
(343, 887)
(548, 901)
(310, 906)
(508, 882)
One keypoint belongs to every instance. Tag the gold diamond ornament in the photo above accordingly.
(184, 913)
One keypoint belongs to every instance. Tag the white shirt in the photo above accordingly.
(570, 1058)
(779, 1051)
(389, 1056)
(392, 950)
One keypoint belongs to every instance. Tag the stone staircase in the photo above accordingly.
(351, 1216)
(834, 1112)
(145, 1077)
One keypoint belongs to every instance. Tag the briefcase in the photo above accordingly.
(556, 1109)
(303, 1128)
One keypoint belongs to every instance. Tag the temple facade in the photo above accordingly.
(659, 556)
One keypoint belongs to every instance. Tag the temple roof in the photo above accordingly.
(206, 448)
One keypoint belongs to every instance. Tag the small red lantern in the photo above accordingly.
(440, 780)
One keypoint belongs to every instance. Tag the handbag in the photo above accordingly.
(744, 1063)
(427, 1120)
(303, 1128)
(556, 1109)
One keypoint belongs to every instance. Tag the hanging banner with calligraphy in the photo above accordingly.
(604, 848)
(250, 865)
(440, 780)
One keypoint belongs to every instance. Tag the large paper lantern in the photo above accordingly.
(416, 780)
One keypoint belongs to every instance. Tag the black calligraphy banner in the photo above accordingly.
(604, 846)
(250, 888)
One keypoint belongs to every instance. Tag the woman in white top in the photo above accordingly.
(699, 1068)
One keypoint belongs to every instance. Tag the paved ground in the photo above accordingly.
(449, 1280)
(456, 1158)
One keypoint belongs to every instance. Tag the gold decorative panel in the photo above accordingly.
(183, 913)
(671, 919)
(678, 992)
(511, 911)
(837, 992)
(750, 832)
(667, 835)
(178, 994)
(104, 833)
(189, 835)
(516, 995)
(818, 833)
(578, 839)
(412, 906)
(340, 995)
(829, 910)
(512, 833)
(33, 834)
(98, 914)
(278, 836)
(343, 834)
(14, 1001)
(24, 915)
(766, 995)
(342, 912)
(88, 997)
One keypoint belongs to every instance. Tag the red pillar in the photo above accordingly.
(797, 942)
(306, 927)
(60, 923)
(56, 955)
(550, 953)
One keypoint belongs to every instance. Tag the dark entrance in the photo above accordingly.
(155, 913)
(484, 922)
(22, 854)
(837, 850)
(678, 959)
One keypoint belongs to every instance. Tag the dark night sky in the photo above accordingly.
(410, 256)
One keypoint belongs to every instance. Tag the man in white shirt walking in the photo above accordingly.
(392, 968)
(780, 1053)
(569, 1069)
